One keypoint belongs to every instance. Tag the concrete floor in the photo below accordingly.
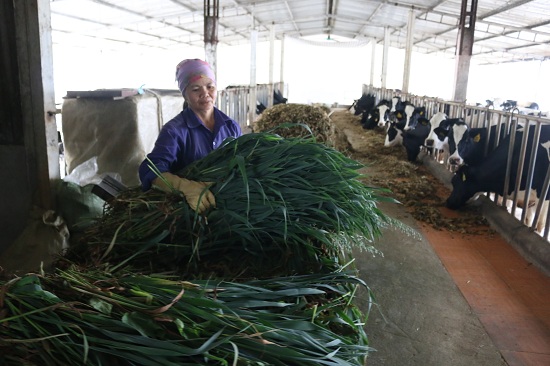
(421, 318)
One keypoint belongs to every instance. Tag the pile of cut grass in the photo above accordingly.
(283, 206)
(265, 277)
(287, 120)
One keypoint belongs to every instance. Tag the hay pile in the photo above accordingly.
(282, 119)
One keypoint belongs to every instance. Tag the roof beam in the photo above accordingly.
(504, 8)
(107, 25)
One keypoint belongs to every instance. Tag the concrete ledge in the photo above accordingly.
(528, 243)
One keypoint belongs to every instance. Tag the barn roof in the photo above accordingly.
(505, 30)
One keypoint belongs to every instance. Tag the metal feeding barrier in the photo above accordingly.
(235, 100)
(507, 123)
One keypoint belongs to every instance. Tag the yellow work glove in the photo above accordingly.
(197, 194)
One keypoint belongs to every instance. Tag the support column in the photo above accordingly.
(464, 45)
(211, 16)
(408, 53)
(372, 61)
(281, 77)
(35, 62)
(252, 99)
(385, 57)
(271, 60)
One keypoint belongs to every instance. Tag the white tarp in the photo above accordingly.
(117, 132)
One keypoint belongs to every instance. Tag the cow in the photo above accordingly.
(414, 138)
(377, 117)
(489, 175)
(403, 113)
(383, 107)
(369, 121)
(395, 103)
(435, 121)
(277, 99)
(468, 145)
(363, 105)
(394, 134)
(412, 119)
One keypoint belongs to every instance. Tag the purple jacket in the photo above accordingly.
(183, 140)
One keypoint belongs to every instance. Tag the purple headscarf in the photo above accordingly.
(191, 70)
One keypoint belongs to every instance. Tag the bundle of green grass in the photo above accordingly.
(283, 206)
(264, 278)
(287, 120)
(95, 317)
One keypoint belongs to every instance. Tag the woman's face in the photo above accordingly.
(201, 95)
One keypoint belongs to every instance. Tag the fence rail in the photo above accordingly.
(235, 100)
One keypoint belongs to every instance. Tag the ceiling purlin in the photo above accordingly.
(528, 29)
(502, 9)
(506, 33)
(369, 20)
(103, 24)
(292, 17)
(142, 15)
(255, 21)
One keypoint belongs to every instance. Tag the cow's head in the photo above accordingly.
(464, 187)
(456, 134)
(384, 114)
(394, 135)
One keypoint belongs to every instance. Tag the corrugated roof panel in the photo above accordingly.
(525, 25)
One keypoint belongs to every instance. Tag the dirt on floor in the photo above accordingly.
(410, 183)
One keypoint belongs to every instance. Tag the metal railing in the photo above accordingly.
(235, 100)
(507, 122)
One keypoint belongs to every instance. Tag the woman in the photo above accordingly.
(191, 135)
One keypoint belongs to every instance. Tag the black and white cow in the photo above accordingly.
(489, 175)
(414, 138)
(369, 121)
(417, 113)
(469, 145)
(435, 122)
(403, 114)
(394, 134)
(395, 103)
(363, 105)
(378, 116)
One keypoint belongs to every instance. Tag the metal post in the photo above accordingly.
(385, 56)
(408, 52)
(211, 15)
(464, 45)
(252, 98)
(372, 61)
(271, 57)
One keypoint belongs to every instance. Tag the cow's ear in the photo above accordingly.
(477, 137)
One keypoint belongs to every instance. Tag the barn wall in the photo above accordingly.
(28, 131)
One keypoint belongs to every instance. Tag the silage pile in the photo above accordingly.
(285, 120)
